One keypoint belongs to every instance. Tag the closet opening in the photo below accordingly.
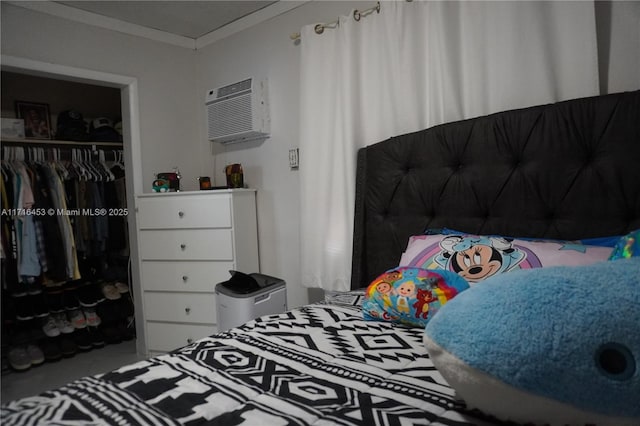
(100, 285)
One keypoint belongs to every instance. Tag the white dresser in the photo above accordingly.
(188, 242)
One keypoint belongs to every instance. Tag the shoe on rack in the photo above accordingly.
(51, 350)
(34, 288)
(82, 338)
(40, 306)
(111, 334)
(84, 296)
(69, 300)
(35, 332)
(35, 354)
(89, 295)
(121, 287)
(63, 323)
(54, 300)
(19, 358)
(20, 337)
(96, 289)
(92, 317)
(68, 347)
(77, 319)
(24, 308)
(97, 338)
(49, 326)
(108, 311)
(110, 291)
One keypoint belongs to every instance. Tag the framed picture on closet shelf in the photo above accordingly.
(37, 120)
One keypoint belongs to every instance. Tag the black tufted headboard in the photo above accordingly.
(567, 170)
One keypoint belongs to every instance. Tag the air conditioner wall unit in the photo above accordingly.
(238, 112)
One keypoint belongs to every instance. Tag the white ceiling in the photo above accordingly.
(185, 23)
(192, 19)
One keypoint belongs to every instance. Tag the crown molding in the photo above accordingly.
(248, 21)
(90, 18)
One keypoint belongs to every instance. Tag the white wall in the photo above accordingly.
(266, 50)
(165, 76)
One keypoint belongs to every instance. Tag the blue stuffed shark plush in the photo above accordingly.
(558, 345)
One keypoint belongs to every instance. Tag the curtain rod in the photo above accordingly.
(357, 15)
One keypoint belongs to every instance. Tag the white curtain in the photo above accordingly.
(412, 66)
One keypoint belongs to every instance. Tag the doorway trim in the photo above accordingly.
(131, 146)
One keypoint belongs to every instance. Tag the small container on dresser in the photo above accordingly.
(188, 242)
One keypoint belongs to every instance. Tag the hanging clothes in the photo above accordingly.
(60, 206)
(54, 254)
(29, 264)
(49, 216)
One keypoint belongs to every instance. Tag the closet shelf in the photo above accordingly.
(59, 142)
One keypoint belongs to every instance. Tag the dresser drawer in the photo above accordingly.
(165, 337)
(180, 307)
(186, 244)
(188, 211)
(184, 276)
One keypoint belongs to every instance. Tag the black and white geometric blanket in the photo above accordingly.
(317, 365)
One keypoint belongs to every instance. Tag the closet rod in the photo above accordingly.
(54, 142)
(59, 153)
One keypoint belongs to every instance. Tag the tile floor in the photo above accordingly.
(51, 375)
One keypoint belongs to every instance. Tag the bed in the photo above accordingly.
(560, 171)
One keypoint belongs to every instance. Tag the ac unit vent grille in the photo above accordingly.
(230, 116)
(238, 112)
